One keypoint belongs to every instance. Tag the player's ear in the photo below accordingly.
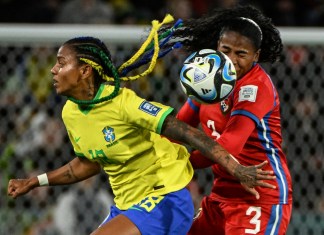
(86, 70)
(257, 55)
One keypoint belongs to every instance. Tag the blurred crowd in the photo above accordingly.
(283, 12)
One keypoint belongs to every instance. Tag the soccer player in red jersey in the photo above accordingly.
(247, 124)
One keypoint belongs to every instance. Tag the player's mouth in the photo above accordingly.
(55, 83)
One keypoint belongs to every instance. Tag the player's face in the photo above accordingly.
(66, 73)
(240, 50)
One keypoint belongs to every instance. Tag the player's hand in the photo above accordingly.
(18, 187)
(252, 176)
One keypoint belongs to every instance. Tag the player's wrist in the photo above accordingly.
(42, 180)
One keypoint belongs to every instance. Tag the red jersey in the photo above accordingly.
(253, 98)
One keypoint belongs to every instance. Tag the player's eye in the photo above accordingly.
(60, 63)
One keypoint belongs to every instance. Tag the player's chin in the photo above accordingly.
(239, 74)
(58, 90)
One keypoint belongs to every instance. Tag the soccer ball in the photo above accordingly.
(208, 76)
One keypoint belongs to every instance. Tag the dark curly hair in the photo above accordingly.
(204, 32)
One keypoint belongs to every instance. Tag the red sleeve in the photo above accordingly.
(189, 113)
(198, 161)
(236, 133)
(234, 137)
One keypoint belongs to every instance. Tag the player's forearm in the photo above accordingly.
(175, 129)
(76, 170)
(212, 150)
(73, 172)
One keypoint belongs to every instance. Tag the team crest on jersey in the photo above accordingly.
(149, 108)
(109, 134)
(225, 106)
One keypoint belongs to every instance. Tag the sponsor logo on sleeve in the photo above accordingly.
(248, 93)
(149, 108)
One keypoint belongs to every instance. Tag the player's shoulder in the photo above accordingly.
(125, 92)
(255, 83)
(257, 77)
(125, 95)
(68, 106)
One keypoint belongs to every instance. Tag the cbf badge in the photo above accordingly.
(109, 134)
(225, 106)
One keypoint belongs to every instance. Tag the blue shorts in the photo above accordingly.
(171, 214)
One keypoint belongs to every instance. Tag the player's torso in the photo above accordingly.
(264, 143)
(101, 135)
(214, 117)
(120, 135)
(246, 99)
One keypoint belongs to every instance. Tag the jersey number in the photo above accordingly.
(255, 220)
(211, 125)
(150, 202)
(100, 156)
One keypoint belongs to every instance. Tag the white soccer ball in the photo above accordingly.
(208, 76)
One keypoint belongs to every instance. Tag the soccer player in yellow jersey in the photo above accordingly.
(113, 129)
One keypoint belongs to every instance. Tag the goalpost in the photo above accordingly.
(119, 34)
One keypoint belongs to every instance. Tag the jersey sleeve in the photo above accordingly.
(236, 133)
(146, 114)
(233, 139)
(254, 100)
(189, 113)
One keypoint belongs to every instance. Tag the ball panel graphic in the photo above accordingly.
(208, 76)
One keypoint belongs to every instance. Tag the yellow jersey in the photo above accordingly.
(123, 135)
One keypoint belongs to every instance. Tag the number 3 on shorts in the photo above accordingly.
(255, 220)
